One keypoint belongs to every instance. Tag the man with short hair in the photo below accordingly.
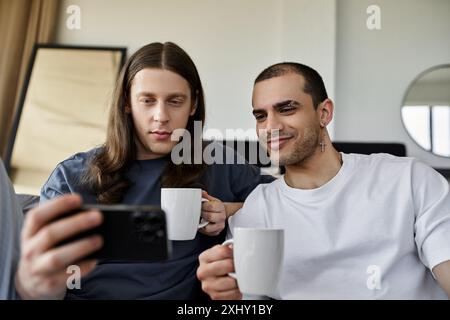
(356, 226)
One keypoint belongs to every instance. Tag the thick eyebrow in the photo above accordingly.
(286, 103)
(278, 105)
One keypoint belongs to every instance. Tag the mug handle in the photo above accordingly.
(227, 243)
(203, 222)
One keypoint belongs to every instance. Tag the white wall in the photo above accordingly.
(230, 41)
(309, 36)
(374, 68)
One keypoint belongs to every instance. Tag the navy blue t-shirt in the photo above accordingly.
(171, 279)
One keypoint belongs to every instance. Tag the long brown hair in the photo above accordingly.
(106, 172)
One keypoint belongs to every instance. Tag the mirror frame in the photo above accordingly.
(420, 75)
(24, 90)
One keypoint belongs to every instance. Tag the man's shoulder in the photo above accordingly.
(78, 161)
(263, 191)
(381, 160)
(67, 176)
(72, 168)
(379, 157)
(398, 166)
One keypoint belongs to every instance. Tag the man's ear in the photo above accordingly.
(325, 112)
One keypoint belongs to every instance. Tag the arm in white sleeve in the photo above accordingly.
(431, 196)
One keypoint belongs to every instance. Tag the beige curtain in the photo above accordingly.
(22, 24)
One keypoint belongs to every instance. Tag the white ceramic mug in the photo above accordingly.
(183, 208)
(258, 257)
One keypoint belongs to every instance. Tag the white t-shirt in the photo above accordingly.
(374, 231)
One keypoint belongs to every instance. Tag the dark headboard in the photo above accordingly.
(396, 149)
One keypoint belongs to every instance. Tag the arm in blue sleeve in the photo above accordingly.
(55, 186)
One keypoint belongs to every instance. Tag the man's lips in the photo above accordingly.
(160, 134)
(277, 143)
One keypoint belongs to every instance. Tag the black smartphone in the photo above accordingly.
(130, 233)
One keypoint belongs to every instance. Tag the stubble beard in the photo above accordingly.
(303, 148)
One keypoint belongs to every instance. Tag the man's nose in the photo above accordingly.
(161, 114)
(273, 123)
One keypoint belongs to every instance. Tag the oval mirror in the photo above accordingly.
(426, 110)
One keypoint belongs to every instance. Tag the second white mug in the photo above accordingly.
(183, 207)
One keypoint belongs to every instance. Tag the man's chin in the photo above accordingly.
(277, 157)
(161, 149)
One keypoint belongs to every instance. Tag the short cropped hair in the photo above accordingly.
(314, 85)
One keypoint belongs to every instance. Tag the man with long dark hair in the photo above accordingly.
(158, 92)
